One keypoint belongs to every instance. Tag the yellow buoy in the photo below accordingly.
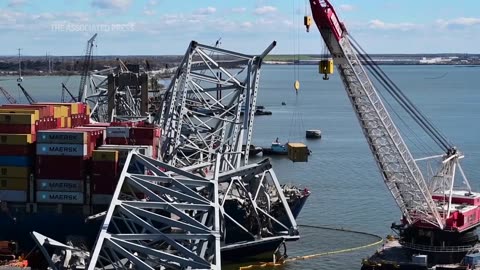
(307, 21)
(325, 67)
(296, 85)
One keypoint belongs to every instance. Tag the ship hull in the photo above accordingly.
(70, 224)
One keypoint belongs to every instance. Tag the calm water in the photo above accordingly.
(347, 190)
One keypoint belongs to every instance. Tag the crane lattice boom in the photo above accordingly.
(7, 96)
(86, 67)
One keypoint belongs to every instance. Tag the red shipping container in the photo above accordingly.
(17, 150)
(105, 168)
(140, 133)
(61, 167)
(17, 129)
(103, 184)
(118, 141)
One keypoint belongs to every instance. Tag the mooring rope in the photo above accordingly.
(311, 256)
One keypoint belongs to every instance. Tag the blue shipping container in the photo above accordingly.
(16, 161)
(62, 149)
(59, 137)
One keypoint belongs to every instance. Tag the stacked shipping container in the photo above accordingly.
(50, 151)
(20, 125)
(17, 136)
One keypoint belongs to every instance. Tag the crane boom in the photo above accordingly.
(29, 98)
(7, 96)
(86, 67)
(400, 172)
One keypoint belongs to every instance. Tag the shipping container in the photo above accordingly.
(13, 195)
(118, 141)
(144, 133)
(18, 129)
(62, 149)
(59, 197)
(298, 152)
(18, 118)
(20, 110)
(103, 185)
(61, 167)
(59, 185)
(101, 198)
(14, 172)
(16, 139)
(106, 168)
(17, 150)
(62, 136)
(14, 184)
(105, 155)
(45, 110)
(16, 161)
(118, 132)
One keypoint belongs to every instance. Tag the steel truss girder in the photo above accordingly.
(172, 226)
(400, 172)
(201, 114)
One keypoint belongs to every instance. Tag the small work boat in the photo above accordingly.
(253, 151)
(313, 134)
(276, 148)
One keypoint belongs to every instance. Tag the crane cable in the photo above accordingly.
(297, 123)
(401, 98)
(378, 241)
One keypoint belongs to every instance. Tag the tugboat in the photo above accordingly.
(276, 148)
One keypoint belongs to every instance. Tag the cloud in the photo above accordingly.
(265, 10)
(149, 12)
(247, 24)
(16, 3)
(111, 4)
(461, 22)
(377, 24)
(239, 10)
(346, 7)
(206, 11)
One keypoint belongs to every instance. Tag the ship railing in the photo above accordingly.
(428, 248)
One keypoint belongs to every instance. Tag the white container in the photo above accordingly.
(13, 196)
(118, 132)
(60, 185)
(419, 259)
(101, 198)
(62, 149)
(60, 197)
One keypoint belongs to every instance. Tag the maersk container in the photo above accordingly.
(16, 161)
(118, 132)
(62, 137)
(13, 184)
(13, 195)
(59, 185)
(59, 197)
(62, 149)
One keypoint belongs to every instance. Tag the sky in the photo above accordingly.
(165, 27)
